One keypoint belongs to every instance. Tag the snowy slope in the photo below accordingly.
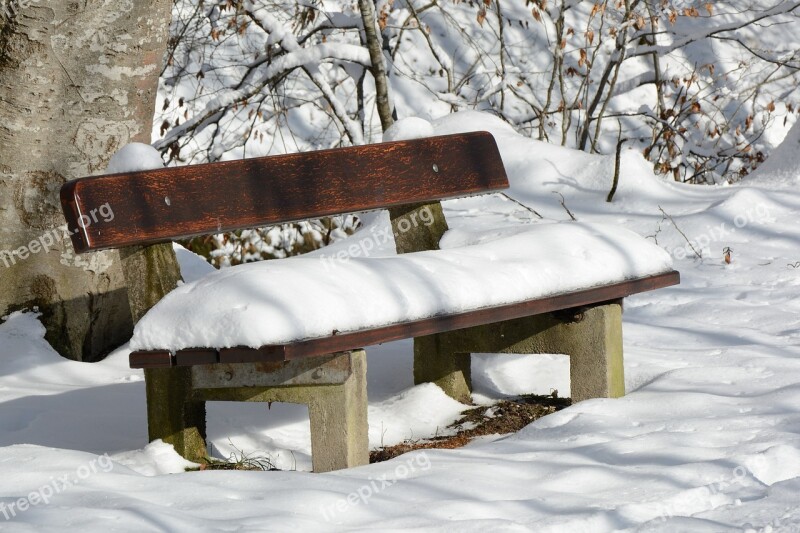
(707, 439)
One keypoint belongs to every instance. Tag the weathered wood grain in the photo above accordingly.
(180, 202)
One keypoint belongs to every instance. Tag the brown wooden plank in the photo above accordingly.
(267, 354)
(196, 356)
(151, 359)
(438, 324)
(179, 202)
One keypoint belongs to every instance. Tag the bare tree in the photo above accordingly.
(250, 78)
(257, 77)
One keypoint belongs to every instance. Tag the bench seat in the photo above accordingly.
(278, 303)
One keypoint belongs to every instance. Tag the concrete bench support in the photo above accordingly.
(591, 336)
(334, 387)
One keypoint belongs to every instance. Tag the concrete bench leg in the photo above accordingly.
(595, 362)
(339, 428)
(437, 361)
(591, 336)
(334, 387)
(172, 414)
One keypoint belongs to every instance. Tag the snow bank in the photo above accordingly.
(276, 302)
(781, 168)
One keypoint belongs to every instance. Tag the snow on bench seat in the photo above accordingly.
(283, 301)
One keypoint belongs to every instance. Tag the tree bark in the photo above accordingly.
(374, 45)
(78, 80)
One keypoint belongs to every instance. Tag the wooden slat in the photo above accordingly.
(151, 359)
(267, 354)
(439, 324)
(179, 202)
(203, 356)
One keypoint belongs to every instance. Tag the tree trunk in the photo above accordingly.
(420, 237)
(373, 42)
(78, 80)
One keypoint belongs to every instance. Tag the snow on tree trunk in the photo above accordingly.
(77, 81)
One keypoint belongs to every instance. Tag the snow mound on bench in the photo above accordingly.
(276, 302)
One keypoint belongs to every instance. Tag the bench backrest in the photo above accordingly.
(180, 202)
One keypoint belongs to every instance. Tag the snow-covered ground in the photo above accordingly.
(707, 438)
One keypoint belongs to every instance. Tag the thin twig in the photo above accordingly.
(532, 210)
(564, 205)
(617, 161)
(658, 231)
(698, 254)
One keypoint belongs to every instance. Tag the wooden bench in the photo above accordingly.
(327, 372)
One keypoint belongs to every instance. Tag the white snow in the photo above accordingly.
(273, 302)
(707, 438)
(193, 267)
(134, 157)
(408, 128)
(781, 167)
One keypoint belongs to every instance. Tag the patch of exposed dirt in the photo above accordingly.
(503, 417)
